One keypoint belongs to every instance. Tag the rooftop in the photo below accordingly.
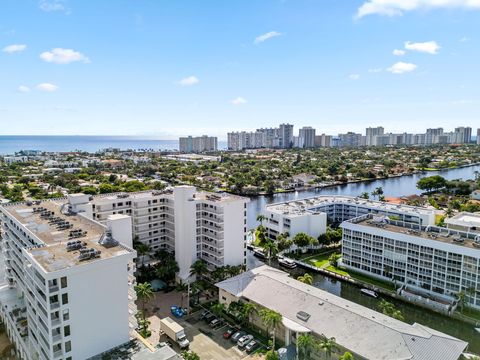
(55, 229)
(465, 219)
(353, 326)
(435, 233)
(309, 205)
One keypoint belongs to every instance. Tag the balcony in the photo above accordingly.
(55, 305)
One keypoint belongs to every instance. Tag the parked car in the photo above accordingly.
(228, 334)
(215, 322)
(238, 335)
(204, 314)
(244, 340)
(251, 346)
(208, 318)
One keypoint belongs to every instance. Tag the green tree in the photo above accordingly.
(333, 259)
(389, 309)
(247, 310)
(167, 270)
(271, 250)
(271, 355)
(190, 355)
(328, 346)
(306, 344)
(199, 268)
(347, 356)
(144, 293)
(142, 251)
(218, 309)
(303, 240)
(365, 195)
(306, 279)
(261, 218)
(271, 319)
(431, 183)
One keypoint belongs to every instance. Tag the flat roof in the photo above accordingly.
(465, 219)
(54, 255)
(433, 233)
(366, 332)
(308, 205)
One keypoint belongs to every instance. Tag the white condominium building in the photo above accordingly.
(311, 215)
(426, 260)
(192, 224)
(68, 290)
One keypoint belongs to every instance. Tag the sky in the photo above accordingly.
(169, 68)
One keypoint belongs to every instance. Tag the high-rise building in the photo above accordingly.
(306, 137)
(478, 136)
(192, 224)
(350, 139)
(285, 134)
(433, 136)
(463, 135)
(69, 292)
(372, 133)
(323, 140)
(198, 144)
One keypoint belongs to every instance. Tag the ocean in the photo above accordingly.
(12, 144)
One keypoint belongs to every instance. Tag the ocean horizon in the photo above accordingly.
(11, 144)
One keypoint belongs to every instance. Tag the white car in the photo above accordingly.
(244, 340)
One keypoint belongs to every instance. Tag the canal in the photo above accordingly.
(395, 187)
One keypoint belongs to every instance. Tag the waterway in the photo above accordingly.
(399, 186)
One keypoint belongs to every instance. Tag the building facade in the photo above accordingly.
(306, 137)
(198, 144)
(68, 291)
(193, 225)
(428, 261)
(312, 215)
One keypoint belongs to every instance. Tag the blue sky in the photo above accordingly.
(168, 68)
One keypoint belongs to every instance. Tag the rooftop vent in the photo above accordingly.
(75, 245)
(87, 254)
(107, 240)
(123, 196)
(302, 315)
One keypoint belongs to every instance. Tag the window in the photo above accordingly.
(66, 315)
(63, 282)
(66, 330)
(64, 299)
(68, 346)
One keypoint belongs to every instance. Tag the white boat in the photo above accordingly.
(477, 329)
(259, 253)
(288, 263)
(369, 293)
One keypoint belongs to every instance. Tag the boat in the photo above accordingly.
(477, 329)
(259, 253)
(288, 263)
(369, 292)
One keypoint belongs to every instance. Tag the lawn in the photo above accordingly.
(319, 260)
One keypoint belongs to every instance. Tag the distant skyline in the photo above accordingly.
(168, 69)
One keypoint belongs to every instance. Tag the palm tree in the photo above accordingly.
(167, 270)
(199, 268)
(261, 218)
(271, 319)
(142, 250)
(143, 324)
(218, 309)
(365, 195)
(144, 293)
(247, 310)
(328, 345)
(305, 344)
(306, 279)
(462, 300)
(271, 248)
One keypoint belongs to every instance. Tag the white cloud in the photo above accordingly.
(238, 101)
(402, 67)
(375, 70)
(63, 56)
(464, 39)
(53, 5)
(354, 76)
(23, 89)
(189, 81)
(398, 52)
(47, 87)
(429, 47)
(266, 36)
(399, 7)
(14, 48)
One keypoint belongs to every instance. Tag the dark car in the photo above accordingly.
(237, 336)
(252, 346)
(209, 318)
(228, 334)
